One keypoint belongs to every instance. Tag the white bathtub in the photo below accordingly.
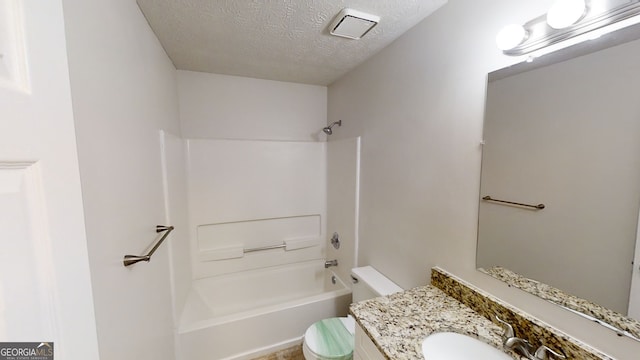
(249, 314)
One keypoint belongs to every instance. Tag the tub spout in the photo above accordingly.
(330, 263)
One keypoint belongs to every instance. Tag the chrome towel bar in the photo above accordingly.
(132, 259)
(537, 207)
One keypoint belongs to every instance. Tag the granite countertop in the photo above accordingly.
(398, 323)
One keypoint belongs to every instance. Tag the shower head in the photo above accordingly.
(327, 130)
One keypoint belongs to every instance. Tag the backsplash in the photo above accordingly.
(526, 326)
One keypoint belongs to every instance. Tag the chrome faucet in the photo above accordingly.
(330, 263)
(518, 345)
(523, 347)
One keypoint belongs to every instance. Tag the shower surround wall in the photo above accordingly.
(251, 194)
(255, 175)
(343, 189)
(241, 121)
(231, 292)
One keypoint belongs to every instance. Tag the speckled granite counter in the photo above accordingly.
(398, 323)
(526, 326)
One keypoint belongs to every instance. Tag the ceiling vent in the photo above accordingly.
(353, 24)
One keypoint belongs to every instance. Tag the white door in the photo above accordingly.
(634, 296)
(45, 288)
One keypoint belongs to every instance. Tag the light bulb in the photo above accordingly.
(511, 36)
(564, 13)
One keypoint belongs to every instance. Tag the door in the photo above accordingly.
(45, 288)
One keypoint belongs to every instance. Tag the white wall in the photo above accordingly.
(232, 107)
(418, 105)
(124, 90)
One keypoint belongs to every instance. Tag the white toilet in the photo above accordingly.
(332, 339)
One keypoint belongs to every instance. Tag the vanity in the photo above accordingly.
(394, 327)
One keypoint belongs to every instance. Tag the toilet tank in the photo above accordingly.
(368, 283)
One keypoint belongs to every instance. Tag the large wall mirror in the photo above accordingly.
(564, 131)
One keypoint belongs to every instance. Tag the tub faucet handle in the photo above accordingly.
(545, 353)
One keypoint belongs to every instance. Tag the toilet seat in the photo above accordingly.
(330, 339)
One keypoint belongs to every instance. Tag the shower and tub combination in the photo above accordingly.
(252, 313)
(255, 267)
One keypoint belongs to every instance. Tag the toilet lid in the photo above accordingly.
(331, 338)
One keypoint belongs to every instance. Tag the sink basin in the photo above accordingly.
(454, 346)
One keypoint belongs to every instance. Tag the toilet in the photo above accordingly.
(332, 339)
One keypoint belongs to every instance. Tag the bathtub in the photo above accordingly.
(249, 314)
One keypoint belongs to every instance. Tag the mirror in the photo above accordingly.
(564, 131)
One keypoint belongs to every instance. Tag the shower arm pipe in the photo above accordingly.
(339, 123)
(133, 259)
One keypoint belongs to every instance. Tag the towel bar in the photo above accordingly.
(537, 207)
(132, 259)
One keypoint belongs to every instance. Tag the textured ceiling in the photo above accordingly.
(284, 40)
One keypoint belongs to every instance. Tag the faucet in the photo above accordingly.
(518, 345)
(523, 347)
(330, 263)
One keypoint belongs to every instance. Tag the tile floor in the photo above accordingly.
(292, 353)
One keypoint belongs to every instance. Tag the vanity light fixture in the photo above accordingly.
(511, 36)
(566, 23)
(564, 13)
